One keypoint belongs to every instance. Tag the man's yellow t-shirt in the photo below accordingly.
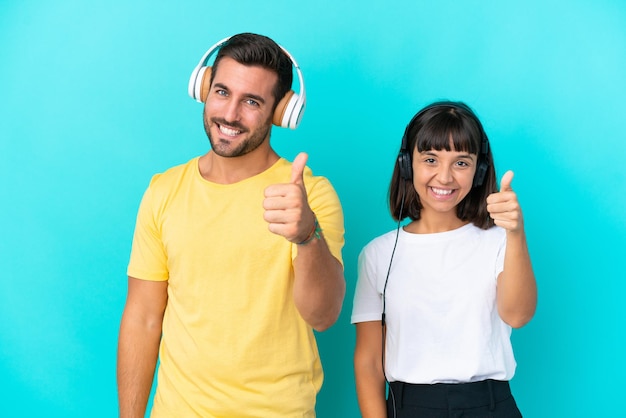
(233, 342)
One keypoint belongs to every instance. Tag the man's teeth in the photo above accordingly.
(229, 131)
(441, 192)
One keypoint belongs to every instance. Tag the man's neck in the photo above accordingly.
(229, 170)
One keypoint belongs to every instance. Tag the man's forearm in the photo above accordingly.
(319, 287)
(136, 362)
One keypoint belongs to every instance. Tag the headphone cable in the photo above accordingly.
(383, 316)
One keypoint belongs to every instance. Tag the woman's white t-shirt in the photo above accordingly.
(440, 304)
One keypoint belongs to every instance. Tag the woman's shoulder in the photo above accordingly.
(495, 235)
(381, 243)
(495, 231)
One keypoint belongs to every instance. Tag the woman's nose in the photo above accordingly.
(444, 175)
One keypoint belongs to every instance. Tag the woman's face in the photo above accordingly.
(442, 179)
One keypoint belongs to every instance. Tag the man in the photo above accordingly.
(236, 259)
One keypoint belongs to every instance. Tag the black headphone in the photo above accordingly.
(404, 156)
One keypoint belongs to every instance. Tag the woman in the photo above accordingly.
(436, 299)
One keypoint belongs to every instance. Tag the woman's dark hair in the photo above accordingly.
(446, 126)
(257, 50)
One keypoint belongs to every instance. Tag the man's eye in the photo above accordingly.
(221, 92)
(252, 102)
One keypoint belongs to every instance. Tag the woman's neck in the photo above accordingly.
(434, 224)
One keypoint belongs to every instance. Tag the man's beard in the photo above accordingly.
(252, 142)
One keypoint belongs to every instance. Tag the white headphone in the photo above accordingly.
(289, 110)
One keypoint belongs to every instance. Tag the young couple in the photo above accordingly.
(236, 259)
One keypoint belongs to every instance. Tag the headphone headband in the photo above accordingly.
(289, 109)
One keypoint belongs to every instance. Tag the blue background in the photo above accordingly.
(94, 101)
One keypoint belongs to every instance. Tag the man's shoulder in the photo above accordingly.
(174, 174)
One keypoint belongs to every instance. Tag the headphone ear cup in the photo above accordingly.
(481, 172)
(199, 83)
(281, 108)
(205, 84)
(483, 164)
(296, 112)
(288, 111)
(404, 164)
(191, 88)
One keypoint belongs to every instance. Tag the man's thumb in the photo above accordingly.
(297, 168)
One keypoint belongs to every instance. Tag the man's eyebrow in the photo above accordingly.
(252, 96)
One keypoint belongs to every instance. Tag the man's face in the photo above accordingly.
(239, 107)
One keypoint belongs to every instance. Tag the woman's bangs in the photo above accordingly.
(445, 134)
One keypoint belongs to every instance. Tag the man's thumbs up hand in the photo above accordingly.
(287, 210)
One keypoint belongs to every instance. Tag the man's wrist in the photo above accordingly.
(314, 234)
